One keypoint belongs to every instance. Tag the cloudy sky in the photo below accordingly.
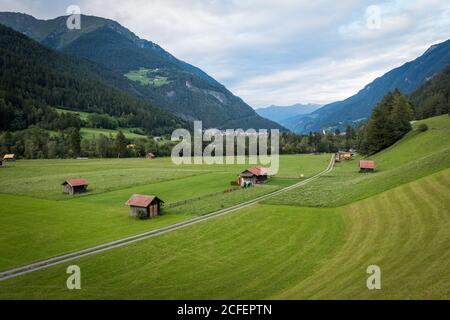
(277, 51)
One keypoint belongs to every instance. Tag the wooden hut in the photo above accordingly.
(9, 157)
(73, 186)
(253, 176)
(366, 166)
(150, 205)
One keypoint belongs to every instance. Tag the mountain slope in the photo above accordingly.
(406, 78)
(281, 113)
(186, 90)
(34, 79)
(433, 98)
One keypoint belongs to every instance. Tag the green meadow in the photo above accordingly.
(313, 242)
(417, 155)
(147, 77)
(32, 199)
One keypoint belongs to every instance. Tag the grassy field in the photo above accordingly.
(90, 133)
(417, 155)
(269, 251)
(83, 115)
(314, 242)
(32, 199)
(145, 78)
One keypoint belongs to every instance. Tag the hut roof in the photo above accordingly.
(367, 164)
(9, 156)
(138, 200)
(76, 182)
(257, 171)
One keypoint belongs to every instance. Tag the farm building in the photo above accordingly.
(9, 157)
(150, 156)
(253, 176)
(151, 205)
(73, 186)
(366, 166)
(343, 155)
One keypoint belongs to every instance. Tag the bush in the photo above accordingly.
(422, 127)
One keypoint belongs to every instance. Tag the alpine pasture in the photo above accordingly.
(313, 242)
(32, 198)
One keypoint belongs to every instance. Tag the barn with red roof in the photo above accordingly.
(149, 205)
(366, 166)
(253, 176)
(73, 186)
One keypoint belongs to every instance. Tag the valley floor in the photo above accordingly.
(314, 242)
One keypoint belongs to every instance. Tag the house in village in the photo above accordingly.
(9, 157)
(343, 155)
(149, 205)
(366, 166)
(73, 186)
(253, 176)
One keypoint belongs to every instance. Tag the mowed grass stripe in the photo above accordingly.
(198, 262)
(405, 232)
(66, 226)
(270, 251)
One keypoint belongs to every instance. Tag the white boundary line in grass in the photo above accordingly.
(12, 273)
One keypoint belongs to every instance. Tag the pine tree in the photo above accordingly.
(389, 122)
(121, 145)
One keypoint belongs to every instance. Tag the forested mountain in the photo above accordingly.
(406, 78)
(34, 79)
(433, 98)
(155, 75)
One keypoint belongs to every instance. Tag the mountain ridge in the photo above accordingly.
(189, 92)
(282, 113)
(34, 80)
(407, 78)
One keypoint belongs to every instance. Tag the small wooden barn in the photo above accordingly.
(150, 205)
(253, 176)
(73, 186)
(9, 157)
(366, 166)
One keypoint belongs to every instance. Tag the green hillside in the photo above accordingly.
(35, 80)
(417, 155)
(182, 89)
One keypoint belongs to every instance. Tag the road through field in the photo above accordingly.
(12, 273)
